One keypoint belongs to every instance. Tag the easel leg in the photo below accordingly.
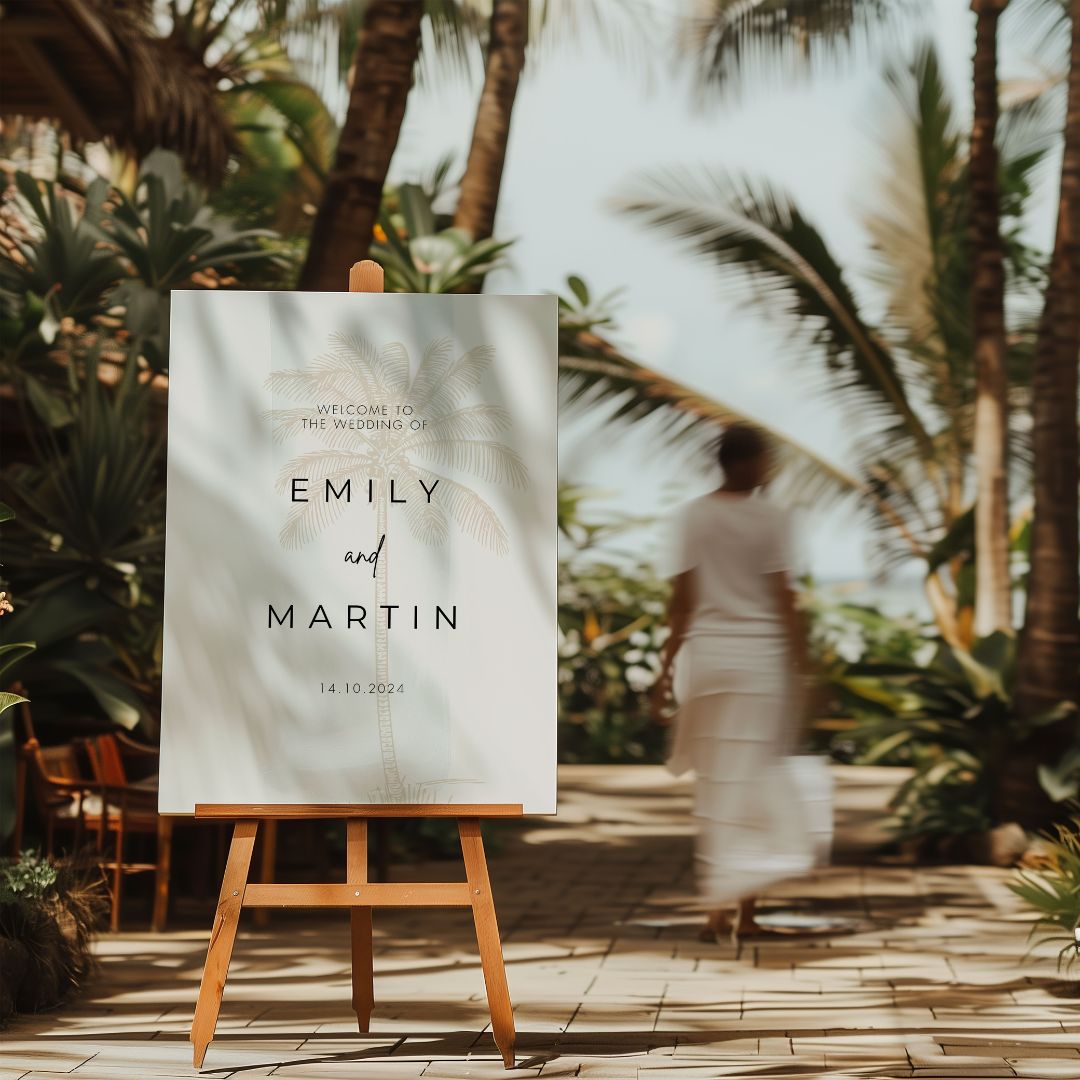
(222, 937)
(162, 873)
(487, 938)
(363, 968)
(267, 867)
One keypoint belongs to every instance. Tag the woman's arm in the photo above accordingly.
(679, 609)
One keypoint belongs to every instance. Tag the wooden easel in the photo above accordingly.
(357, 893)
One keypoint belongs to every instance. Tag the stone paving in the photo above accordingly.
(606, 972)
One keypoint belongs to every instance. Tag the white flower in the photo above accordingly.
(639, 678)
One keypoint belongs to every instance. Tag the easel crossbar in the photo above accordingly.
(418, 894)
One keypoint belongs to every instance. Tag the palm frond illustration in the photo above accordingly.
(457, 437)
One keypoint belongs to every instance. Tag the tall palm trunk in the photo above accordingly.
(993, 600)
(387, 47)
(395, 789)
(487, 153)
(1050, 644)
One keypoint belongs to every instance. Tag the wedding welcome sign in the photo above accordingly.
(360, 588)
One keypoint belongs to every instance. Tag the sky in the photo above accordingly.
(587, 125)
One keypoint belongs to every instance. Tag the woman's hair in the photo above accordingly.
(741, 442)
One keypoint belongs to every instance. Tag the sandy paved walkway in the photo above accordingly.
(606, 973)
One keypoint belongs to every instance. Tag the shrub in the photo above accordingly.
(1054, 892)
(47, 914)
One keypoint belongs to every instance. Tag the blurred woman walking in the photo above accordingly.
(741, 653)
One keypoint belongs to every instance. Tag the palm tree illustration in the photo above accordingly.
(456, 436)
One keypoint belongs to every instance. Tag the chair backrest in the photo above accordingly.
(48, 763)
(106, 760)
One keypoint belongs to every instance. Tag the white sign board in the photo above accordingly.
(360, 565)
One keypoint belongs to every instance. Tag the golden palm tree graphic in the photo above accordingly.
(455, 435)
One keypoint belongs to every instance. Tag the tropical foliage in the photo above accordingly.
(1053, 891)
(421, 254)
(85, 303)
(48, 911)
(906, 377)
(954, 719)
(611, 630)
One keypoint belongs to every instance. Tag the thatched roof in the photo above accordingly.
(98, 68)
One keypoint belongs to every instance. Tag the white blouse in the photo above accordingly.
(731, 543)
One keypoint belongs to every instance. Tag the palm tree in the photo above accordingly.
(457, 436)
(388, 46)
(511, 26)
(993, 591)
(726, 38)
(507, 37)
(907, 377)
(214, 84)
(1049, 658)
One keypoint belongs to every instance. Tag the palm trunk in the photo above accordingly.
(1050, 645)
(993, 599)
(395, 789)
(487, 153)
(1049, 658)
(387, 47)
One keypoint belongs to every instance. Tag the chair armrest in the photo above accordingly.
(130, 745)
(126, 796)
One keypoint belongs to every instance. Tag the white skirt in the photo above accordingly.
(735, 729)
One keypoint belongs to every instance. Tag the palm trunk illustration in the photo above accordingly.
(395, 789)
(450, 437)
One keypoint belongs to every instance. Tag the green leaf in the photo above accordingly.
(13, 652)
(579, 289)
(116, 698)
(52, 408)
(7, 700)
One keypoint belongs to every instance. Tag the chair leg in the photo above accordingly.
(161, 874)
(20, 806)
(118, 877)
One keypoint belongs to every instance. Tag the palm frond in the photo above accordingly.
(456, 381)
(471, 513)
(393, 365)
(427, 519)
(359, 361)
(727, 39)
(919, 263)
(594, 374)
(317, 466)
(472, 422)
(432, 370)
(490, 461)
(307, 520)
(626, 30)
(755, 234)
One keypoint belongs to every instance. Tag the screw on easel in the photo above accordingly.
(236, 892)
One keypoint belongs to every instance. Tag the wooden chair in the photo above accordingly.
(132, 808)
(55, 781)
(94, 800)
